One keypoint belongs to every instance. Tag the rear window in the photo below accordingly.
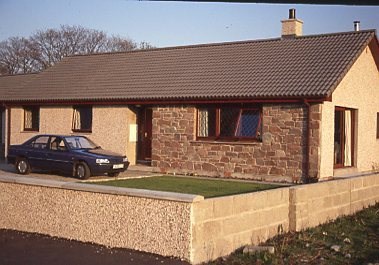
(39, 142)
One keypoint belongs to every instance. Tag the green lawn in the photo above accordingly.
(206, 187)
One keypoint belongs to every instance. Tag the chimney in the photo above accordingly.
(292, 27)
(356, 25)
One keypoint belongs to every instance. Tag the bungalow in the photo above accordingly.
(298, 107)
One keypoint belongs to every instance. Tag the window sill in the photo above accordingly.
(30, 131)
(218, 142)
(81, 131)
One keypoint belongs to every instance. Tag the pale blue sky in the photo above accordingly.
(177, 23)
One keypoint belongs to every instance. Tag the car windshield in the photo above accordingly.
(79, 142)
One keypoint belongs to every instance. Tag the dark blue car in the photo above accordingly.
(74, 154)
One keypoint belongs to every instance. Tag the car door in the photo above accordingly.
(36, 152)
(58, 155)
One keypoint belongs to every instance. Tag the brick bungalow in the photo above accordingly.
(298, 107)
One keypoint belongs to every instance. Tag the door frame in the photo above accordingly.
(144, 143)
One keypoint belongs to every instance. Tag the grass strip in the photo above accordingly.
(208, 188)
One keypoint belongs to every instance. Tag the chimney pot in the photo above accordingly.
(292, 27)
(292, 13)
(356, 25)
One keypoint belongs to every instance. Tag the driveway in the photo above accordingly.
(131, 172)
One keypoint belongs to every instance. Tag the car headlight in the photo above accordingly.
(102, 161)
(125, 159)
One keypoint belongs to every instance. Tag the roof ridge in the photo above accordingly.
(335, 34)
(212, 44)
(215, 44)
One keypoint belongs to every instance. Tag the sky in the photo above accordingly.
(165, 24)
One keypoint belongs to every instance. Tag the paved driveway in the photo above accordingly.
(133, 171)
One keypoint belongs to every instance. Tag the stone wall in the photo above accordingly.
(314, 204)
(221, 225)
(172, 224)
(281, 152)
(149, 221)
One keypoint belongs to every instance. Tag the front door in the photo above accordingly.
(145, 117)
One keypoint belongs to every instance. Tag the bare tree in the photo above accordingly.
(47, 47)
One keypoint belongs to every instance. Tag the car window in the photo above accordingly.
(39, 142)
(57, 144)
(79, 142)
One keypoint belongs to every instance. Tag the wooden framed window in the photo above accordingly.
(228, 123)
(82, 119)
(344, 135)
(31, 118)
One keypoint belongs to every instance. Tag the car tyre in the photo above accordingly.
(82, 171)
(114, 174)
(22, 166)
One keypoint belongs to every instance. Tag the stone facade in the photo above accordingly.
(280, 152)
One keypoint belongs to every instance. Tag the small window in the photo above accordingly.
(31, 119)
(377, 125)
(82, 119)
(228, 123)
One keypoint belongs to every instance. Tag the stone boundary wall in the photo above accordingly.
(125, 218)
(171, 224)
(221, 225)
(314, 204)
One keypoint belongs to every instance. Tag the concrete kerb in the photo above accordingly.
(161, 195)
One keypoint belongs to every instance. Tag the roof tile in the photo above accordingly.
(307, 66)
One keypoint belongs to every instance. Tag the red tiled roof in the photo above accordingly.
(307, 66)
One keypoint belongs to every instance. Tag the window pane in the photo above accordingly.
(206, 122)
(31, 118)
(228, 121)
(40, 142)
(82, 119)
(248, 123)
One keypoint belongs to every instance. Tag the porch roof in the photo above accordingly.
(297, 67)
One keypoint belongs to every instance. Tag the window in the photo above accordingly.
(39, 142)
(228, 123)
(57, 144)
(344, 123)
(31, 118)
(82, 119)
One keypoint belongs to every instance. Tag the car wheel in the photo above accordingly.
(82, 171)
(22, 166)
(113, 175)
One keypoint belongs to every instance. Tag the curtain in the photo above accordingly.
(348, 138)
(203, 123)
(76, 124)
(28, 119)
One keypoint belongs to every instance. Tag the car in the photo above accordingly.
(73, 154)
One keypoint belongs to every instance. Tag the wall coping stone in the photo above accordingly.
(160, 195)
